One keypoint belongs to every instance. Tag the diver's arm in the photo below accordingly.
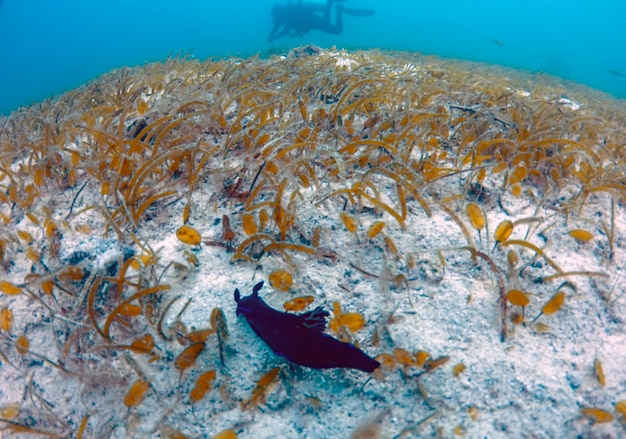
(294, 33)
(273, 33)
(277, 32)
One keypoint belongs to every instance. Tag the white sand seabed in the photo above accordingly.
(532, 385)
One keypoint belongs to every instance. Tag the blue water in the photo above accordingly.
(48, 46)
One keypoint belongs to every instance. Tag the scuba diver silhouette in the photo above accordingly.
(295, 19)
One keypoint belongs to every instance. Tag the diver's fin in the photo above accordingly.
(359, 12)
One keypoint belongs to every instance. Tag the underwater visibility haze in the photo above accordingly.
(359, 218)
(47, 47)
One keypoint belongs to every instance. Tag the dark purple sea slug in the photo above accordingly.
(299, 338)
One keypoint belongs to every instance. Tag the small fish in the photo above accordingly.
(498, 42)
(616, 73)
(299, 338)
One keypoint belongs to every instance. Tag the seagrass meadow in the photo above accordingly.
(464, 224)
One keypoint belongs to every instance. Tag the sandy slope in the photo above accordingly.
(430, 294)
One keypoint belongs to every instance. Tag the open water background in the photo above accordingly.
(50, 46)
